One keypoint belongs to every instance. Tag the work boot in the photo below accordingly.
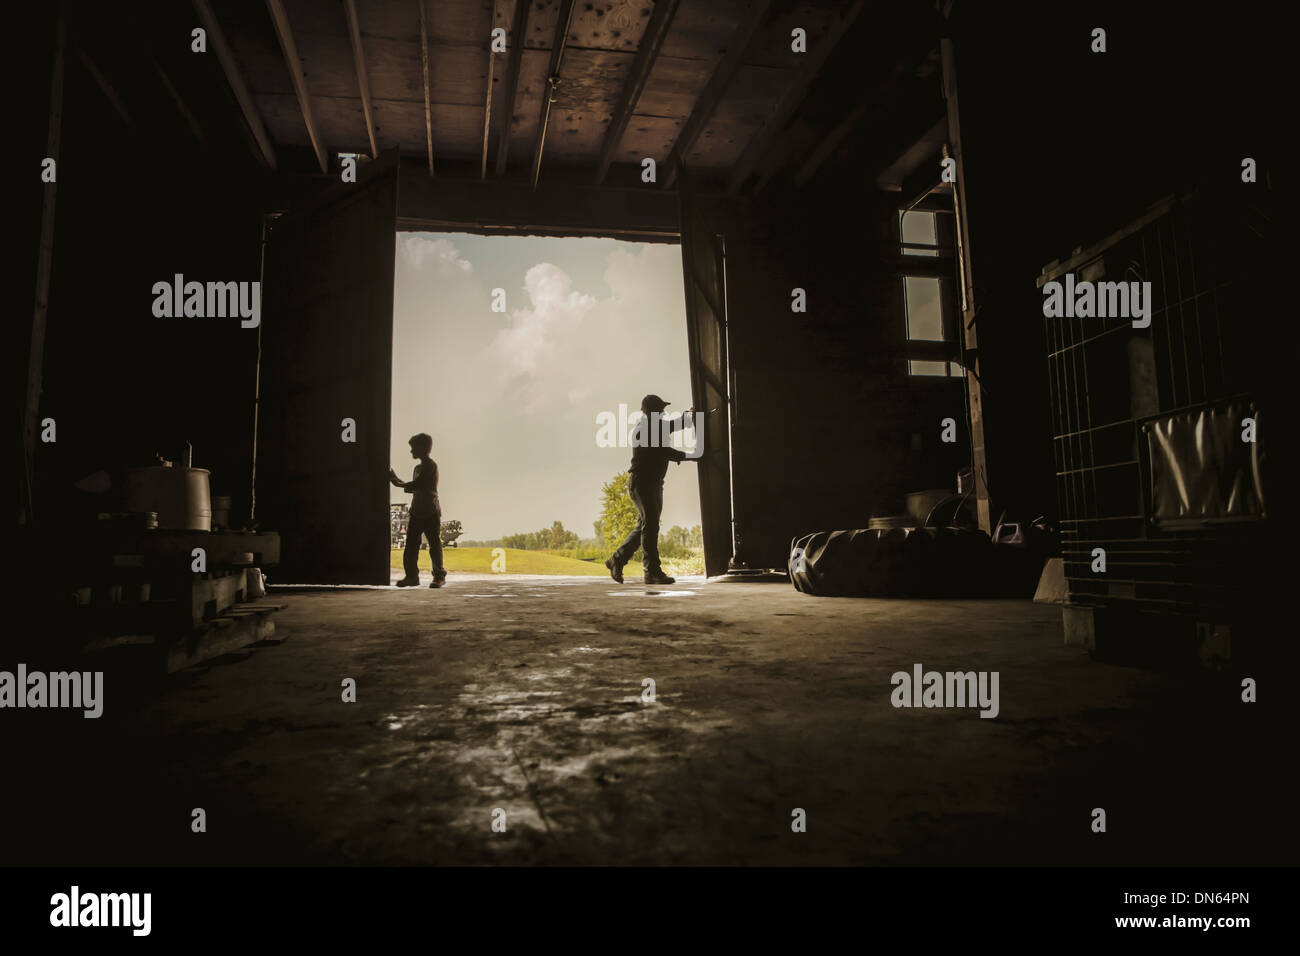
(615, 569)
(408, 582)
(438, 581)
(658, 577)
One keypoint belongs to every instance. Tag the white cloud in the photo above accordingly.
(441, 253)
(635, 274)
(589, 350)
(536, 344)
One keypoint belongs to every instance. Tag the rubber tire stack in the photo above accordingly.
(892, 562)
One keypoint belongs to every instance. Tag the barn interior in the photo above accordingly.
(822, 163)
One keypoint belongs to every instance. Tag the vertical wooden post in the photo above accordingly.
(979, 457)
(45, 254)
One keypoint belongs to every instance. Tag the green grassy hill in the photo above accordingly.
(479, 561)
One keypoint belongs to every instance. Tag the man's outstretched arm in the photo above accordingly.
(684, 420)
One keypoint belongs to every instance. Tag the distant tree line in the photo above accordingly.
(554, 538)
(617, 519)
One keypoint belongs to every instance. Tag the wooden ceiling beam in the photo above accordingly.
(487, 97)
(716, 88)
(925, 148)
(284, 34)
(104, 85)
(866, 112)
(552, 81)
(428, 107)
(363, 77)
(651, 41)
(827, 147)
(516, 43)
(261, 143)
(44, 266)
(182, 107)
(791, 99)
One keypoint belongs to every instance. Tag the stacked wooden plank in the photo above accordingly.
(185, 596)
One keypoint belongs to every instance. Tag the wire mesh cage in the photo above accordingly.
(1157, 430)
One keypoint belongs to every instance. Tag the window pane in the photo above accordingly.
(924, 311)
(917, 228)
(915, 367)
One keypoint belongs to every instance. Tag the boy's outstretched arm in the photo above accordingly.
(425, 479)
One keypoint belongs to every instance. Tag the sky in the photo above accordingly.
(511, 399)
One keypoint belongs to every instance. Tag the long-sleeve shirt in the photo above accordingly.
(423, 487)
(650, 458)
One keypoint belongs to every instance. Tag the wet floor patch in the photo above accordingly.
(684, 593)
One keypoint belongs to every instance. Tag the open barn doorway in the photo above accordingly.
(328, 435)
(515, 354)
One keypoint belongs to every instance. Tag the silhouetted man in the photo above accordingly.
(651, 454)
(425, 515)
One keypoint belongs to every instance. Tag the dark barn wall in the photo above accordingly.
(120, 383)
(327, 358)
(825, 412)
(1063, 146)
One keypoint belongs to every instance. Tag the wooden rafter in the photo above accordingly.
(428, 108)
(487, 97)
(363, 77)
(829, 144)
(516, 46)
(104, 85)
(181, 106)
(252, 119)
(713, 92)
(291, 60)
(646, 54)
(864, 113)
(791, 99)
(44, 263)
(552, 82)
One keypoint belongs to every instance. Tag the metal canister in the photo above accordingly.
(181, 496)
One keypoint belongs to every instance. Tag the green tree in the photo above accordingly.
(560, 538)
(524, 541)
(672, 543)
(617, 513)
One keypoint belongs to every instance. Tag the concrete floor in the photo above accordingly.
(525, 694)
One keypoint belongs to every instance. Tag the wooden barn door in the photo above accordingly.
(327, 341)
(706, 327)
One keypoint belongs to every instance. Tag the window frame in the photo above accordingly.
(938, 261)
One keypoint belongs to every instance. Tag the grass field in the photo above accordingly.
(479, 561)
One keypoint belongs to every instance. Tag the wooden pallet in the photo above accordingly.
(238, 626)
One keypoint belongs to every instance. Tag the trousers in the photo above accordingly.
(648, 496)
(431, 528)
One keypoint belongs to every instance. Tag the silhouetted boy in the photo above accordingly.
(650, 457)
(425, 515)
